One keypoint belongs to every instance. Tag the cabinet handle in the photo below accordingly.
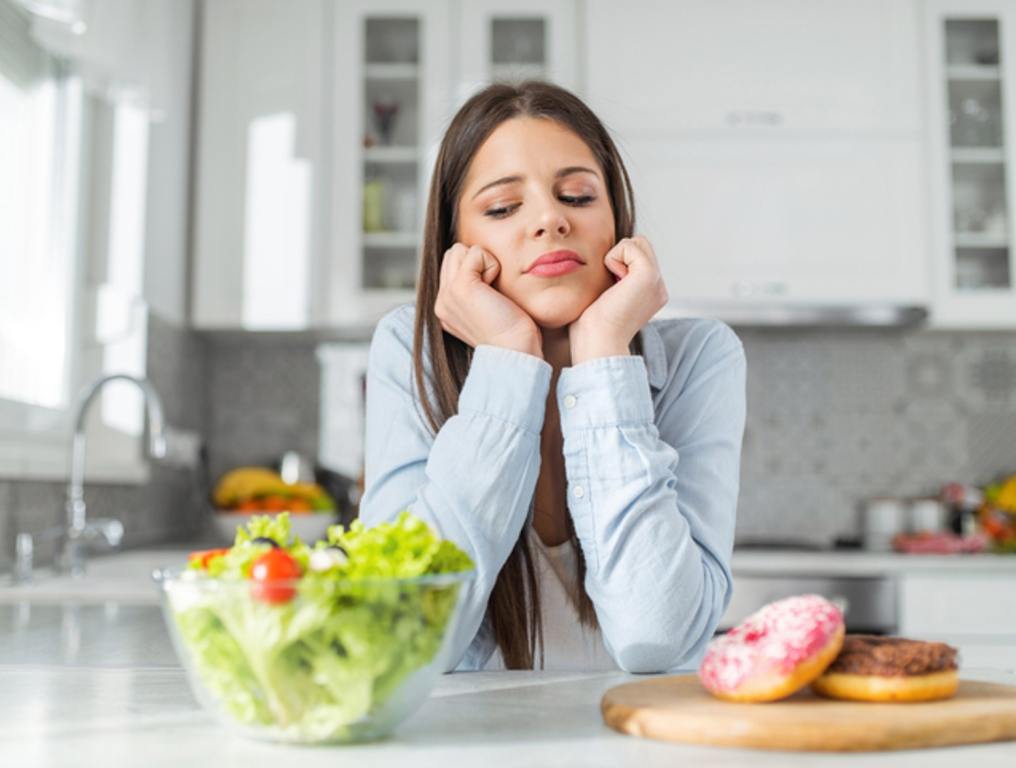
(744, 288)
(750, 118)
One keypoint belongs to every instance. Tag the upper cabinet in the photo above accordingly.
(742, 68)
(775, 148)
(260, 165)
(784, 154)
(390, 74)
(971, 83)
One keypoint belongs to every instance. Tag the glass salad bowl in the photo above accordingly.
(334, 643)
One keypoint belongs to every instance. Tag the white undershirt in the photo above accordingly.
(567, 643)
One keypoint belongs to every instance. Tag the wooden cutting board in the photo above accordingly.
(678, 708)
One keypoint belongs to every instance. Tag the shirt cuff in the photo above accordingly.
(605, 392)
(507, 385)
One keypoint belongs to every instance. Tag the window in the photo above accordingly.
(40, 137)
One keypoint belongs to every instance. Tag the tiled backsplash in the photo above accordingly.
(838, 416)
(834, 416)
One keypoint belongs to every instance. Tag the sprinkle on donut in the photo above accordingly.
(774, 651)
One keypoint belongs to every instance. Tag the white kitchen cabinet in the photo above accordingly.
(970, 63)
(776, 148)
(670, 69)
(975, 612)
(391, 77)
(257, 214)
(778, 223)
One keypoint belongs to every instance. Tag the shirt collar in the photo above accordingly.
(655, 355)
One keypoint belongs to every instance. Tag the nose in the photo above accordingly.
(551, 219)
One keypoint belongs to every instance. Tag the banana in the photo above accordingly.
(1007, 495)
(245, 482)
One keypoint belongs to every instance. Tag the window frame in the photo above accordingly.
(35, 441)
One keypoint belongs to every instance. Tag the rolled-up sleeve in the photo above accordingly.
(652, 491)
(474, 480)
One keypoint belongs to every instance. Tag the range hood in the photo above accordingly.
(786, 314)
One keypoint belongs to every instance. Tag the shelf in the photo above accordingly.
(979, 155)
(391, 240)
(979, 240)
(517, 71)
(392, 71)
(391, 155)
(973, 72)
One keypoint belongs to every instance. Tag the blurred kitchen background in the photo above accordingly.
(223, 196)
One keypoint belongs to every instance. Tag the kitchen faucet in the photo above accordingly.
(77, 531)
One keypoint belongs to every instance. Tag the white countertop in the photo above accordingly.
(99, 684)
(863, 563)
(126, 576)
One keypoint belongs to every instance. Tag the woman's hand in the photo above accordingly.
(608, 325)
(471, 310)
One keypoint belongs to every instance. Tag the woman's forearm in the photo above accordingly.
(474, 480)
(652, 493)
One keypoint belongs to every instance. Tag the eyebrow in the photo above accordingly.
(568, 171)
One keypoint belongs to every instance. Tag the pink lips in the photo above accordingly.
(555, 263)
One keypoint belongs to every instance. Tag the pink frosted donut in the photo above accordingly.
(777, 650)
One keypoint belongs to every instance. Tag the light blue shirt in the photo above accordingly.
(652, 449)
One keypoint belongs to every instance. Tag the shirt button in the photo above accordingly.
(570, 400)
(579, 491)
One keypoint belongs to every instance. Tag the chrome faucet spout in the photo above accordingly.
(78, 528)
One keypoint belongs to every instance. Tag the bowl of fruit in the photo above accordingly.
(997, 515)
(334, 642)
(247, 491)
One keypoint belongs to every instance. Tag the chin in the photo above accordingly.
(554, 309)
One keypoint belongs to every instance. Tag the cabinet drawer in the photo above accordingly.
(957, 604)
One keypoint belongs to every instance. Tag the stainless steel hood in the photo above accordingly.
(772, 314)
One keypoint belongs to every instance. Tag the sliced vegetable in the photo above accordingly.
(202, 557)
(273, 575)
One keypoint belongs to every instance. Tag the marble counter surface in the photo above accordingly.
(126, 576)
(99, 684)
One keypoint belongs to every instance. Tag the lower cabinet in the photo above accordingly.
(974, 612)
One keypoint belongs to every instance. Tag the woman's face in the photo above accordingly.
(534, 188)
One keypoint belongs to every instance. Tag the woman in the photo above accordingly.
(585, 458)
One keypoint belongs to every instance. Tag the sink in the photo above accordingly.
(125, 577)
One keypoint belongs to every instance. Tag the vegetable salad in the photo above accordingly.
(309, 641)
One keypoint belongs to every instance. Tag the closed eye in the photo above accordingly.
(500, 213)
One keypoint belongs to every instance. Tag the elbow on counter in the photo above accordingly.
(644, 653)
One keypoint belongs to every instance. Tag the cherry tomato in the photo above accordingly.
(272, 575)
(205, 556)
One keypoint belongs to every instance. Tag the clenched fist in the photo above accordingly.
(608, 325)
(471, 310)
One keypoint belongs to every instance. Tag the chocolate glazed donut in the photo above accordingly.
(873, 668)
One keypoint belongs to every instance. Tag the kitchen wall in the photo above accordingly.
(834, 416)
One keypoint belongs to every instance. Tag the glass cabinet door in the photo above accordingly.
(971, 67)
(390, 76)
(511, 42)
(391, 151)
(977, 132)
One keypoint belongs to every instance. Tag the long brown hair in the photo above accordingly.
(514, 605)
